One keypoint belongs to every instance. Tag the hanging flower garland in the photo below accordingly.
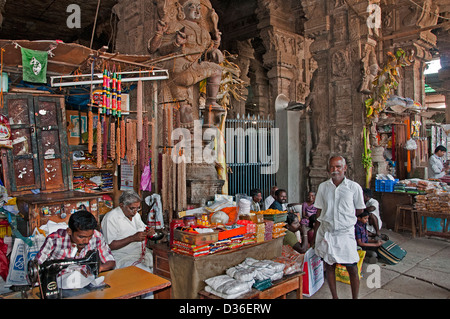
(387, 80)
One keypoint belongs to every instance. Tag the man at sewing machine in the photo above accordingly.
(126, 233)
(76, 241)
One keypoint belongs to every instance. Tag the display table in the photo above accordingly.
(280, 288)
(187, 273)
(443, 226)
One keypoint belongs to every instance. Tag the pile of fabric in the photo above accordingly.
(240, 279)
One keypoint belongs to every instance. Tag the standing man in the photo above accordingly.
(338, 202)
(126, 233)
(437, 169)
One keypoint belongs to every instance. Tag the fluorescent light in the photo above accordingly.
(433, 67)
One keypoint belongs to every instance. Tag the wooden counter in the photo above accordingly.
(126, 283)
(188, 273)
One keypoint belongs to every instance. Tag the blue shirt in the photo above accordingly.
(361, 232)
(276, 205)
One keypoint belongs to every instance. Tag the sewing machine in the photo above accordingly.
(46, 273)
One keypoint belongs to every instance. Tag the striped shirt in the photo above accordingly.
(58, 246)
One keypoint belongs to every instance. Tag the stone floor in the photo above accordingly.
(424, 273)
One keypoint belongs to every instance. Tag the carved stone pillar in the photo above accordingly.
(443, 43)
(344, 48)
(282, 45)
(288, 65)
(400, 20)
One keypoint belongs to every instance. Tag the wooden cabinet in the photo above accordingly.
(161, 266)
(39, 158)
(40, 208)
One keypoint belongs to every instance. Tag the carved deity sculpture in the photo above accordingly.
(369, 69)
(183, 32)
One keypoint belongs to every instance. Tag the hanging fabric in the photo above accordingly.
(34, 65)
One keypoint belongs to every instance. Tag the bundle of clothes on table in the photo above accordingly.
(240, 279)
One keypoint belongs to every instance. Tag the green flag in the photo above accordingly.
(34, 64)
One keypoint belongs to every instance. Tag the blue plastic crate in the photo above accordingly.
(382, 185)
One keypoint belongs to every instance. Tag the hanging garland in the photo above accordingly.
(386, 81)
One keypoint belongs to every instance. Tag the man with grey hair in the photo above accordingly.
(126, 233)
(338, 202)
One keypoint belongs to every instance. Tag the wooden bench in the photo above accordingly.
(279, 288)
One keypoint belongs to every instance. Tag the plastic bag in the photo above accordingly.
(146, 179)
(313, 278)
(20, 255)
(411, 145)
(4, 263)
(342, 273)
(155, 216)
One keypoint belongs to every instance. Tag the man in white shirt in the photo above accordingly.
(338, 201)
(271, 198)
(126, 233)
(436, 168)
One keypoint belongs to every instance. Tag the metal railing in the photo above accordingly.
(249, 147)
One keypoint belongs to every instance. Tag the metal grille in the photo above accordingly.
(249, 154)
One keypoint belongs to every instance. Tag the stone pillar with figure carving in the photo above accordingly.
(345, 51)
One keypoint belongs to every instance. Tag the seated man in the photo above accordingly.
(75, 241)
(271, 198)
(373, 207)
(256, 196)
(126, 233)
(280, 200)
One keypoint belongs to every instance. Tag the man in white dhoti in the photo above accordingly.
(126, 233)
(338, 201)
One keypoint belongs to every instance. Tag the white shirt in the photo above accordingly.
(373, 202)
(435, 167)
(116, 226)
(335, 238)
(268, 201)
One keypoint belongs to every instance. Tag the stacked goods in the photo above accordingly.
(421, 203)
(268, 229)
(433, 202)
(249, 226)
(278, 230)
(260, 230)
(107, 182)
(219, 245)
(78, 182)
(422, 185)
(191, 250)
(249, 238)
